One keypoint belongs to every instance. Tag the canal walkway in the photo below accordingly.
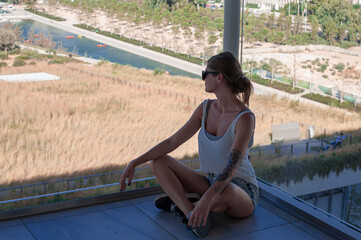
(138, 50)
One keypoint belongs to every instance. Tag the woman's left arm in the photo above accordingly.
(244, 130)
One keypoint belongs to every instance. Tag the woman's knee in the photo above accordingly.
(154, 164)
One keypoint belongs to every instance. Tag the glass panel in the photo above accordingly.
(287, 46)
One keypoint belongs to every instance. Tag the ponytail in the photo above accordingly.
(227, 64)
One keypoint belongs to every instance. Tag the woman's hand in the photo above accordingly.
(200, 213)
(128, 173)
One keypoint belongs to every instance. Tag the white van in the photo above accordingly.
(11, 8)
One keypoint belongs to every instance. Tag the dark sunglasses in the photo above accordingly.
(204, 74)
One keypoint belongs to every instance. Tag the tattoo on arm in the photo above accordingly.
(233, 161)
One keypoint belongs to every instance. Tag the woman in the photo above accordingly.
(228, 183)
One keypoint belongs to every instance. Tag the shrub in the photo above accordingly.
(45, 15)
(275, 84)
(332, 101)
(325, 76)
(323, 67)
(212, 39)
(316, 61)
(158, 71)
(340, 67)
(23, 57)
(347, 44)
(3, 56)
(51, 51)
(3, 64)
(14, 51)
(252, 5)
(18, 62)
(59, 60)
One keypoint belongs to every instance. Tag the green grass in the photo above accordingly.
(277, 85)
(45, 15)
(303, 84)
(332, 102)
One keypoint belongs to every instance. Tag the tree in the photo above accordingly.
(30, 4)
(314, 27)
(7, 39)
(273, 66)
(277, 37)
(271, 21)
(342, 32)
(330, 30)
(199, 2)
(297, 26)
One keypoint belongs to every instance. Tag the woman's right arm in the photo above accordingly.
(164, 147)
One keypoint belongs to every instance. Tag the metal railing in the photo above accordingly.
(110, 179)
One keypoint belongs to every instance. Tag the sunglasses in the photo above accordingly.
(204, 74)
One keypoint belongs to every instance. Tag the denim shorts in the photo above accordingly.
(251, 189)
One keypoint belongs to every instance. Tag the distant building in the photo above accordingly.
(213, 5)
(354, 2)
(276, 4)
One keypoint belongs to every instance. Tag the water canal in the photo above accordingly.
(88, 48)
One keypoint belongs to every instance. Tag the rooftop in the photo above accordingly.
(29, 77)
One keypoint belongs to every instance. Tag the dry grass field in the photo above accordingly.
(84, 123)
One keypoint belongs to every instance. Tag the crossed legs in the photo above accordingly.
(176, 180)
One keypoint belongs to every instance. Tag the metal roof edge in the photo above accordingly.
(317, 217)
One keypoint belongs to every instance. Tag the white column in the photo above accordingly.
(232, 14)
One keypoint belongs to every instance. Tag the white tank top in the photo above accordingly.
(213, 154)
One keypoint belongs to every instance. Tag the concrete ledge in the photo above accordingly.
(76, 203)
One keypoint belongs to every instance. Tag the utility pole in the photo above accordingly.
(241, 57)
(298, 8)
(294, 72)
(289, 7)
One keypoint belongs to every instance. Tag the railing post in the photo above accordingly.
(350, 139)
(321, 144)
(306, 148)
(291, 151)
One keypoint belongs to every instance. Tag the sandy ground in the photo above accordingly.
(348, 80)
